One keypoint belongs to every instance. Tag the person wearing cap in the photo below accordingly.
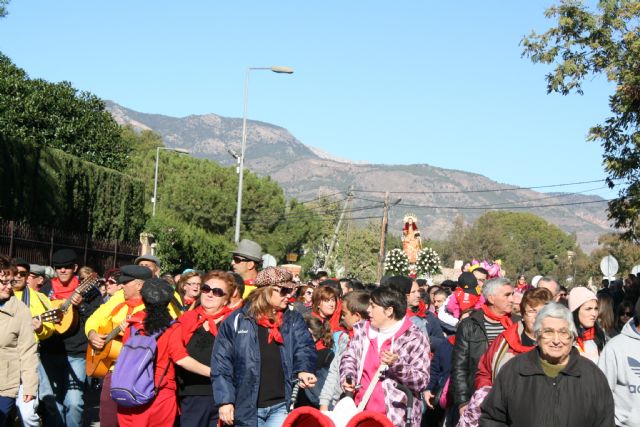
(474, 335)
(620, 362)
(151, 262)
(108, 317)
(583, 304)
(247, 259)
(37, 303)
(259, 352)
(162, 410)
(551, 385)
(63, 357)
(37, 276)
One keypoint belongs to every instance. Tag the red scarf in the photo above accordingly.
(188, 300)
(505, 320)
(512, 336)
(131, 305)
(420, 312)
(60, 291)
(273, 326)
(589, 334)
(193, 319)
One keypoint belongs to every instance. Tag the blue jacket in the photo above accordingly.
(235, 361)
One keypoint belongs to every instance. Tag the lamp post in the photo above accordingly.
(275, 69)
(154, 199)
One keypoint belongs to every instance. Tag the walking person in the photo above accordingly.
(591, 338)
(259, 352)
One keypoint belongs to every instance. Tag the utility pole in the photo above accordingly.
(335, 233)
(383, 234)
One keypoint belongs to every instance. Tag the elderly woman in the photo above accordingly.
(516, 339)
(552, 385)
(18, 351)
(388, 342)
(189, 288)
(260, 351)
(199, 331)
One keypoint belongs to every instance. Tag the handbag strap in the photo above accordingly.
(372, 385)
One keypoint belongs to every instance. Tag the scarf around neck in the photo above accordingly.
(505, 319)
(273, 326)
(587, 335)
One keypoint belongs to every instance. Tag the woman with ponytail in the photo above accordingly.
(199, 331)
(591, 338)
(259, 353)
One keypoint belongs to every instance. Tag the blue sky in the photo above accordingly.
(396, 82)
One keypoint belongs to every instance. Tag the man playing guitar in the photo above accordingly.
(63, 355)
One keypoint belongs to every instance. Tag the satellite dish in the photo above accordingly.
(609, 266)
(635, 269)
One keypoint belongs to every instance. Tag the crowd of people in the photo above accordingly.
(247, 346)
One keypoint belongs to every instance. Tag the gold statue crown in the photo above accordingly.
(409, 216)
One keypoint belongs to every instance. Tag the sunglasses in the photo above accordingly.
(217, 292)
(627, 313)
(308, 293)
(284, 292)
(239, 259)
(64, 267)
(23, 273)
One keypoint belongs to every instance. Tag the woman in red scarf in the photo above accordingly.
(517, 338)
(326, 306)
(591, 338)
(189, 289)
(199, 329)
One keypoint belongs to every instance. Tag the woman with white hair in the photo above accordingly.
(552, 385)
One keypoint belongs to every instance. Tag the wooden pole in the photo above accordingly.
(383, 235)
(335, 233)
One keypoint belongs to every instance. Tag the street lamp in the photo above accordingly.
(275, 69)
(154, 199)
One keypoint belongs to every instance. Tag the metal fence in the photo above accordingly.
(37, 244)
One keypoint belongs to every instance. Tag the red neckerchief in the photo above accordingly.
(320, 345)
(251, 282)
(512, 336)
(191, 322)
(131, 305)
(505, 320)
(188, 300)
(588, 334)
(60, 291)
(421, 311)
(273, 326)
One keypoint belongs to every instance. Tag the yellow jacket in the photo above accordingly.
(38, 304)
(105, 317)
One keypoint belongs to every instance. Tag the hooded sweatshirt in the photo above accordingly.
(620, 362)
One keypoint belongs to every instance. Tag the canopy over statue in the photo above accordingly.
(411, 241)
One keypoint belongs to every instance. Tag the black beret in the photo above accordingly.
(132, 272)
(156, 291)
(400, 283)
(468, 282)
(64, 257)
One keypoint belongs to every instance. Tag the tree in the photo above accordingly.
(3, 8)
(57, 115)
(627, 254)
(602, 42)
(526, 244)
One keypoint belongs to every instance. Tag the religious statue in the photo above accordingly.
(411, 241)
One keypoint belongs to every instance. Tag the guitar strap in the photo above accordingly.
(26, 298)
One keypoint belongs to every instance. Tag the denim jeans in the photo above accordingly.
(28, 411)
(272, 416)
(62, 390)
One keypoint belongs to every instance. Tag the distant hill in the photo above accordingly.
(307, 173)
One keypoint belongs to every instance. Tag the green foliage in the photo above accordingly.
(357, 252)
(525, 243)
(3, 8)
(627, 254)
(45, 186)
(603, 42)
(56, 115)
(199, 198)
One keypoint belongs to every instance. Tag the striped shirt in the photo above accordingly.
(492, 329)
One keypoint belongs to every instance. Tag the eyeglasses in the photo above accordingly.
(284, 292)
(627, 313)
(7, 282)
(193, 284)
(217, 292)
(239, 259)
(112, 282)
(308, 293)
(548, 334)
(562, 295)
(23, 273)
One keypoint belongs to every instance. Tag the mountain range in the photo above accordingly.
(435, 195)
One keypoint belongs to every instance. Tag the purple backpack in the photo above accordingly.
(132, 381)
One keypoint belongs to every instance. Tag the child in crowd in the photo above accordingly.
(354, 310)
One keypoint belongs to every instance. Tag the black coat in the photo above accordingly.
(522, 395)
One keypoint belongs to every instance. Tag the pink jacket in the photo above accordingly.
(411, 369)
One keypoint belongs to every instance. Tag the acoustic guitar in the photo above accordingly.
(53, 316)
(99, 361)
(69, 316)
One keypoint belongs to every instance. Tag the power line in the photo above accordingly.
(483, 190)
